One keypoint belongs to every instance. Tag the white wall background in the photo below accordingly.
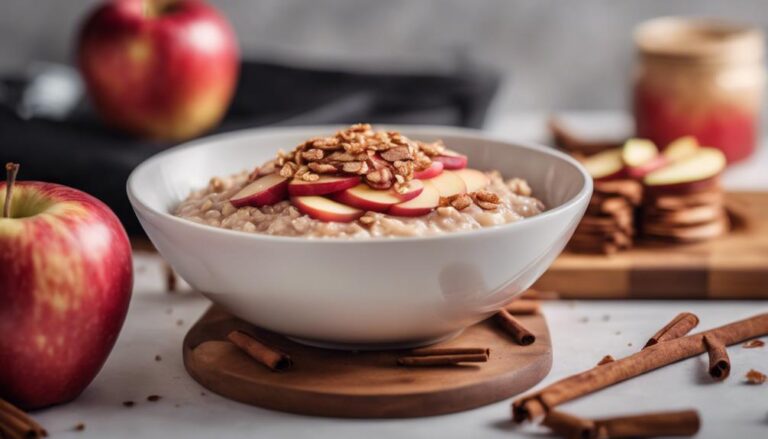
(558, 54)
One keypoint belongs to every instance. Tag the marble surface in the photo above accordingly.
(582, 331)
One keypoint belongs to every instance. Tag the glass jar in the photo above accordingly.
(702, 78)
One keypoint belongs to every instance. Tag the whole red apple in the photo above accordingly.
(161, 69)
(65, 283)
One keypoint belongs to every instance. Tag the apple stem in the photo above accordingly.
(11, 169)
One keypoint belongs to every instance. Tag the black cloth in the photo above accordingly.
(78, 151)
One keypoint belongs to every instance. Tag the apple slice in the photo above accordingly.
(452, 159)
(323, 186)
(641, 156)
(428, 200)
(606, 165)
(435, 169)
(698, 171)
(474, 180)
(365, 197)
(681, 148)
(448, 184)
(324, 209)
(265, 190)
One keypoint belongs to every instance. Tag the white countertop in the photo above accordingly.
(582, 332)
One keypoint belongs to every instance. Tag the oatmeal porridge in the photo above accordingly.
(361, 183)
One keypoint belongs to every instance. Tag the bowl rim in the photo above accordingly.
(584, 193)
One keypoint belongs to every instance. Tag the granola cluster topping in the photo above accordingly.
(483, 199)
(384, 159)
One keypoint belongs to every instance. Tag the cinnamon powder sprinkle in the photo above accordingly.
(128, 403)
(755, 377)
(158, 358)
(153, 398)
(753, 344)
(79, 427)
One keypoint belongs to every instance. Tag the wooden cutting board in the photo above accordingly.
(364, 384)
(731, 267)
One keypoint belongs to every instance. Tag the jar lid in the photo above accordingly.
(699, 39)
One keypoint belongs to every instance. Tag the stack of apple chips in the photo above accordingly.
(609, 223)
(698, 214)
(677, 191)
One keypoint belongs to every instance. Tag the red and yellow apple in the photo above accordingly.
(161, 69)
(641, 156)
(448, 184)
(452, 159)
(65, 284)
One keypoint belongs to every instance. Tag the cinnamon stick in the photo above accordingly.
(719, 363)
(523, 307)
(11, 170)
(678, 423)
(678, 327)
(14, 423)
(449, 351)
(653, 357)
(442, 360)
(516, 329)
(272, 358)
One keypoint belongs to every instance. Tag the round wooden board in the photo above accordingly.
(364, 384)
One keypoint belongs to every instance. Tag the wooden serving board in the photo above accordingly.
(734, 266)
(364, 384)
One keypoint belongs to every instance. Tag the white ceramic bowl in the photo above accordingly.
(359, 293)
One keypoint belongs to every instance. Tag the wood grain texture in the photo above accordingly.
(365, 384)
(734, 266)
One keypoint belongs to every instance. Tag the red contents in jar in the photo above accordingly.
(727, 127)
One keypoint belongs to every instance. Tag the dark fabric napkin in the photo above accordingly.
(76, 150)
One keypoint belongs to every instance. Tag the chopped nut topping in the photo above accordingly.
(288, 170)
(380, 179)
(355, 167)
(367, 219)
(486, 200)
(460, 201)
(397, 154)
(520, 187)
(313, 154)
(385, 158)
(322, 168)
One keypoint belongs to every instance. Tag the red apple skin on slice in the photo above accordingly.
(435, 169)
(452, 160)
(638, 172)
(325, 209)
(323, 186)
(699, 171)
(266, 190)
(474, 180)
(426, 202)
(641, 156)
(606, 165)
(448, 184)
(365, 197)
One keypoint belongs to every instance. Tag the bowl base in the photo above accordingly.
(375, 346)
